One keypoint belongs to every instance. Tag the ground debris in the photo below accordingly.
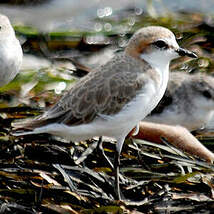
(47, 174)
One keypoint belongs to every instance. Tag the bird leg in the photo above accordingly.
(135, 130)
(116, 165)
(116, 171)
(100, 147)
(119, 146)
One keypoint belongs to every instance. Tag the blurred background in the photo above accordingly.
(55, 33)
(53, 15)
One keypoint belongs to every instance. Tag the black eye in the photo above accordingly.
(207, 94)
(161, 44)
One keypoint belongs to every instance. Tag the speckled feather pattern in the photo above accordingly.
(105, 91)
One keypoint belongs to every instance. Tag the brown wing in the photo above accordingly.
(104, 91)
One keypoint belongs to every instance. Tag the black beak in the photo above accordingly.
(184, 52)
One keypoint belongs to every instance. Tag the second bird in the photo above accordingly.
(10, 52)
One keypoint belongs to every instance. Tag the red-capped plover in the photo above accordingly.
(10, 52)
(113, 99)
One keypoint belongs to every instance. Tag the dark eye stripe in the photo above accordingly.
(160, 44)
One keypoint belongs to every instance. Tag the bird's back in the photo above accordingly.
(102, 92)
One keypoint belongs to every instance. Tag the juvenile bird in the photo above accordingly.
(188, 101)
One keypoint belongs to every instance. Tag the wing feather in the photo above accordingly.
(102, 92)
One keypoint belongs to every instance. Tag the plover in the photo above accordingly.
(188, 101)
(10, 52)
(113, 99)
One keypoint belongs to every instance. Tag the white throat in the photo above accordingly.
(161, 66)
(157, 61)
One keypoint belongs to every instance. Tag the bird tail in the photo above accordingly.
(28, 124)
(22, 133)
